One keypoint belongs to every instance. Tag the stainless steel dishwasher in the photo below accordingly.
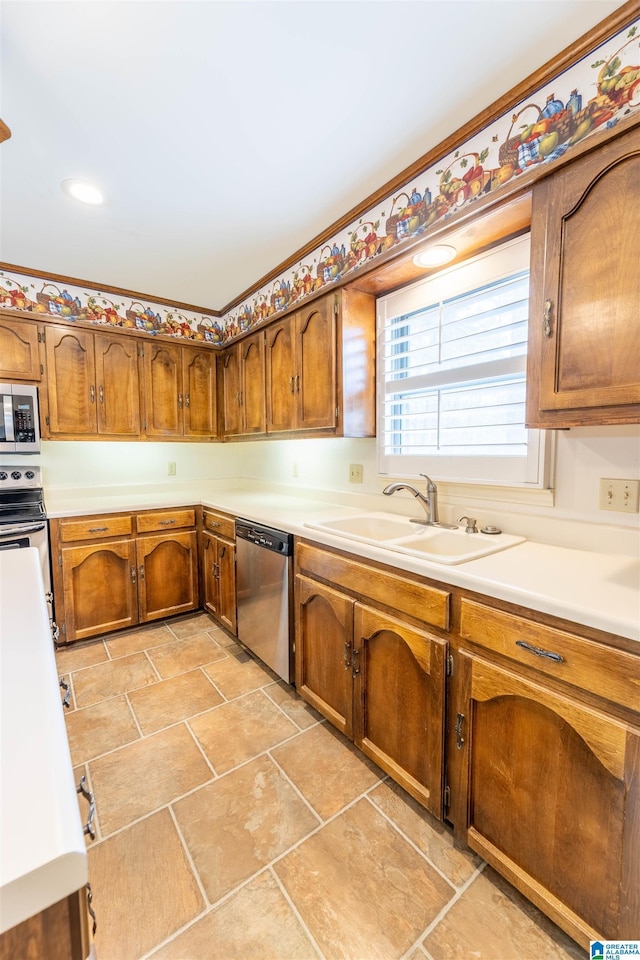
(263, 578)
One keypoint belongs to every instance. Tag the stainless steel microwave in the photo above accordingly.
(19, 423)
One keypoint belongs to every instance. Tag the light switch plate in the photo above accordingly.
(620, 496)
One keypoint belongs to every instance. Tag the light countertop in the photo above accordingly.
(600, 590)
(43, 856)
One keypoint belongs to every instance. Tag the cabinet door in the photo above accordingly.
(252, 391)
(399, 675)
(324, 635)
(552, 784)
(227, 585)
(19, 352)
(199, 383)
(71, 381)
(585, 335)
(99, 584)
(167, 575)
(280, 376)
(163, 390)
(316, 365)
(232, 420)
(118, 386)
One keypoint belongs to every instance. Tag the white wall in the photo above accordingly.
(584, 455)
(77, 463)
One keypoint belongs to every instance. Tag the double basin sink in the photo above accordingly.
(417, 540)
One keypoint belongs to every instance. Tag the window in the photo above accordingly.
(452, 374)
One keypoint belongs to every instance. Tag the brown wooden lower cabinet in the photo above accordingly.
(378, 678)
(61, 932)
(113, 571)
(553, 799)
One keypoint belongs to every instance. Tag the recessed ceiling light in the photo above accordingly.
(83, 191)
(435, 256)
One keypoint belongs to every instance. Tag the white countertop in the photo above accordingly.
(600, 590)
(43, 857)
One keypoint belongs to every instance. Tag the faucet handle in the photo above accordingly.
(471, 524)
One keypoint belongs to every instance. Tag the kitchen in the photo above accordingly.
(314, 475)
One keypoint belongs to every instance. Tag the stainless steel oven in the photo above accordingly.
(19, 421)
(23, 518)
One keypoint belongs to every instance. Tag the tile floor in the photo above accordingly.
(233, 822)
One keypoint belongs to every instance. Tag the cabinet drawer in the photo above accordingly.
(96, 528)
(612, 674)
(220, 524)
(425, 603)
(165, 520)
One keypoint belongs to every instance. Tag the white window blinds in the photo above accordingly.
(452, 360)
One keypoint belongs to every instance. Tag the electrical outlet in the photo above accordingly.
(171, 468)
(621, 496)
(355, 473)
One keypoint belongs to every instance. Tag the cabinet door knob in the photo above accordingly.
(101, 394)
(546, 318)
(92, 393)
(187, 400)
(180, 400)
(142, 571)
(133, 574)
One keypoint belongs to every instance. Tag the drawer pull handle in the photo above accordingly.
(67, 692)
(98, 529)
(90, 910)
(133, 573)
(180, 400)
(101, 394)
(539, 652)
(81, 788)
(546, 318)
(459, 737)
(212, 523)
(142, 571)
(92, 393)
(166, 523)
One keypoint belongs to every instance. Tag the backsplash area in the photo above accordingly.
(320, 468)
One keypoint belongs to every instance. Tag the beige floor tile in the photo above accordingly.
(199, 623)
(169, 701)
(236, 825)
(360, 888)
(122, 644)
(338, 774)
(102, 727)
(111, 678)
(431, 836)
(257, 725)
(256, 923)
(221, 636)
(154, 896)
(293, 705)
(145, 775)
(491, 920)
(233, 677)
(182, 655)
(77, 655)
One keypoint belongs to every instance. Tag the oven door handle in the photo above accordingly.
(20, 529)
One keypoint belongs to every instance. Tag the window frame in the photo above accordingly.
(530, 472)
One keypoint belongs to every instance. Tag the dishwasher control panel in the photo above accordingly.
(276, 540)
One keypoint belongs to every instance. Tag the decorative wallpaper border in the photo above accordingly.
(598, 91)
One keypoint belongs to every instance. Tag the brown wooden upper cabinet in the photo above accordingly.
(242, 370)
(179, 391)
(584, 329)
(19, 350)
(93, 383)
(320, 368)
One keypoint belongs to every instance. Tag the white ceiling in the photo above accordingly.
(228, 134)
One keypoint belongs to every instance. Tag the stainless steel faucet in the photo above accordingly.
(429, 503)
